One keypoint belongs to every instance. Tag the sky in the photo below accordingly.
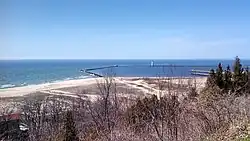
(124, 29)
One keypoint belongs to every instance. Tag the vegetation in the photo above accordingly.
(236, 82)
(220, 111)
(69, 128)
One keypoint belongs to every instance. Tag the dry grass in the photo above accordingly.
(197, 115)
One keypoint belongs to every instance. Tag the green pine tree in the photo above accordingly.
(237, 67)
(219, 76)
(248, 74)
(238, 80)
(227, 79)
(212, 78)
(237, 77)
(248, 79)
(240, 77)
(69, 128)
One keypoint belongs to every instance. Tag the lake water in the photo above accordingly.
(15, 73)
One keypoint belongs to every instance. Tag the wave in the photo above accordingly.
(74, 78)
(70, 78)
(83, 77)
(24, 84)
(7, 86)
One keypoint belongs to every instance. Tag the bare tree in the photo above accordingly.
(104, 111)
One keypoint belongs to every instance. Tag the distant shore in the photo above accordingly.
(67, 84)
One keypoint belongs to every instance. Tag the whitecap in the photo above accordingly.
(83, 77)
(7, 86)
(69, 78)
(56, 81)
(24, 84)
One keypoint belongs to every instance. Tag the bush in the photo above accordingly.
(69, 128)
(236, 82)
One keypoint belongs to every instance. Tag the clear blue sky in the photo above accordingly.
(124, 29)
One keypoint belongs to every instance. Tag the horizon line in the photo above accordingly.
(14, 59)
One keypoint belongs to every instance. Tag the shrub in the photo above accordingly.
(69, 128)
(236, 82)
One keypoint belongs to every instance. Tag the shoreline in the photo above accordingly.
(29, 89)
(24, 90)
(24, 84)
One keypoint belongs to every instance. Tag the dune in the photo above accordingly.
(131, 82)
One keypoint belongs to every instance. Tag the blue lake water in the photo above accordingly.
(14, 73)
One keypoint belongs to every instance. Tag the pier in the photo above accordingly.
(98, 68)
(193, 71)
(88, 70)
(200, 72)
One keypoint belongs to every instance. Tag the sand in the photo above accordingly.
(21, 91)
(131, 82)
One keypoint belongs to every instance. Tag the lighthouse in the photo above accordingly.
(152, 63)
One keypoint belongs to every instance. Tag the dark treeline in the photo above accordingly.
(233, 81)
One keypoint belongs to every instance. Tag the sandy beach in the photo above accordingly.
(144, 84)
(21, 91)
